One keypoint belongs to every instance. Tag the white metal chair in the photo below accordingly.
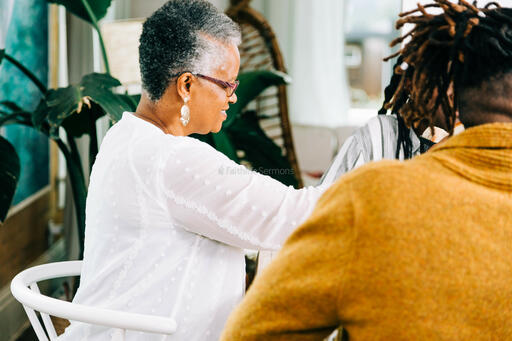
(24, 288)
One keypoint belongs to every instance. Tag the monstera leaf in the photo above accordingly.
(9, 175)
(252, 84)
(97, 86)
(80, 124)
(98, 7)
(222, 142)
(131, 100)
(77, 106)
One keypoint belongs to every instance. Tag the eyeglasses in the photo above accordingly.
(228, 86)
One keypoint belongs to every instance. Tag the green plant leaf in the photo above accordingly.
(59, 104)
(19, 117)
(40, 113)
(99, 8)
(223, 144)
(208, 138)
(9, 176)
(11, 106)
(136, 97)
(252, 84)
(79, 124)
(97, 86)
(103, 80)
(260, 151)
(131, 100)
(67, 104)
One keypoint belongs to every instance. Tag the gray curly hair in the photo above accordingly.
(180, 36)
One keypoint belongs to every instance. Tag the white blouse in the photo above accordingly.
(167, 219)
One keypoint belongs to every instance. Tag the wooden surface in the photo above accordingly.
(23, 236)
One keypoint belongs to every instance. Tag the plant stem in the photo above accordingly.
(27, 72)
(74, 153)
(96, 27)
(15, 118)
(93, 142)
(77, 181)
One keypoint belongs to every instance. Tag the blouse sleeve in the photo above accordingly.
(374, 141)
(208, 194)
(350, 156)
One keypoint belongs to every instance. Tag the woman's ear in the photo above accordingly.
(183, 84)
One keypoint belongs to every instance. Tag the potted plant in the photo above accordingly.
(73, 109)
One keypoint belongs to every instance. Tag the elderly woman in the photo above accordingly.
(168, 216)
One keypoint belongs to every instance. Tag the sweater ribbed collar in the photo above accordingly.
(482, 154)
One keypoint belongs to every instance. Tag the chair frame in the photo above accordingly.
(24, 288)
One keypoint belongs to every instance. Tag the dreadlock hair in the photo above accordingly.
(404, 139)
(462, 47)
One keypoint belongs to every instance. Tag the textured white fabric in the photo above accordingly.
(167, 219)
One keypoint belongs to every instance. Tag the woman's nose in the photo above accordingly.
(233, 98)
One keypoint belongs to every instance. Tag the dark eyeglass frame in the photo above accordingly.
(228, 86)
(231, 87)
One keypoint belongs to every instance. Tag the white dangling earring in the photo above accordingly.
(185, 113)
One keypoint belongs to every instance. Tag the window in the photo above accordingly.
(367, 38)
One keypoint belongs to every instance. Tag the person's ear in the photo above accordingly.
(183, 84)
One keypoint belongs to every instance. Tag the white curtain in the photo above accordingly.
(311, 37)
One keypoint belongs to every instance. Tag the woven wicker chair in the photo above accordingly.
(259, 51)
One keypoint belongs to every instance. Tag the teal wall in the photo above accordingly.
(27, 41)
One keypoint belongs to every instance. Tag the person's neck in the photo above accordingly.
(158, 115)
(485, 104)
(475, 120)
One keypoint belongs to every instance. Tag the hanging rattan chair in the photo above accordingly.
(259, 51)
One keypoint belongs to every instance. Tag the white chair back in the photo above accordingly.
(24, 288)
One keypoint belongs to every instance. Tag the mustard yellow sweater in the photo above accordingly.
(419, 250)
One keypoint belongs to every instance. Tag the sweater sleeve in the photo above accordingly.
(296, 297)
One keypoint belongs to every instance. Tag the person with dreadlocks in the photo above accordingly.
(387, 137)
(414, 250)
